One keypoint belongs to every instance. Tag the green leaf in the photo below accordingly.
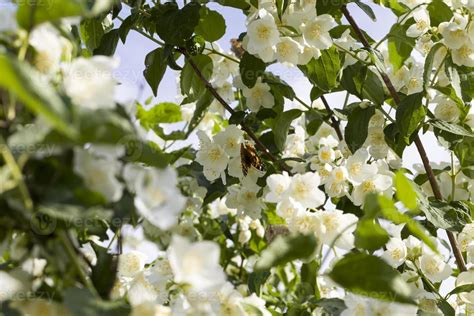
(465, 152)
(381, 206)
(281, 5)
(285, 249)
(429, 64)
(155, 68)
(81, 302)
(92, 31)
(104, 127)
(451, 128)
(126, 26)
(256, 281)
(35, 93)
(278, 86)
(333, 306)
(104, 271)
(309, 273)
(356, 130)
(367, 10)
(108, 43)
(148, 154)
(439, 12)
(251, 68)
(370, 235)
(370, 276)
(282, 126)
(191, 84)
(31, 13)
(332, 8)
(405, 191)
(461, 289)
(324, 71)
(165, 112)
(362, 82)
(410, 114)
(211, 25)
(174, 25)
(449, 216)
(467, 82)
(399, 45)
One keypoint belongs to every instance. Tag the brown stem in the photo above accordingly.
(244, 126)
(419, 145)
(334, 121)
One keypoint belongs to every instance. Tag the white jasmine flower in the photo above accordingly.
(304, 189)
(10, 286)
(158, 198)
(464, 55)
(357, 167)
(434, 267)
(326, 154)
(414, 83)
(378, 147)
(34, 266)
(230, 139)
(347, 42)
(288, 51)
(396, 252)
(244, 236)
(212, 157)
(336, 189)
(466, 277)
(466, 236)
(288, 207)
(453, 32)
(308, 52)
(316, 32)
(378, 307)
(335, 224)
(191, 266)
(400, 77)
(325, 136)
(131, 263)
(303, 222)
(245, 198)
(422, 23)
(262, 33)
(259, 95)
(446, 109)
(219, 208)
(99, 174)
(151, 309)
(295, 143)
(48, 45)
(355, 305)
(90, 83)
(278, 185)
(376, 184)
(414, 247)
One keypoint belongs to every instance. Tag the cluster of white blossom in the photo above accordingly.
(298, 37)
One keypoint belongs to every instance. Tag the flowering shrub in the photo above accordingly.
(240, 198)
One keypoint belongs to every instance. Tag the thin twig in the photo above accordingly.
(244, 126)
(419, 145)
(71, 252)
(335, 123)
